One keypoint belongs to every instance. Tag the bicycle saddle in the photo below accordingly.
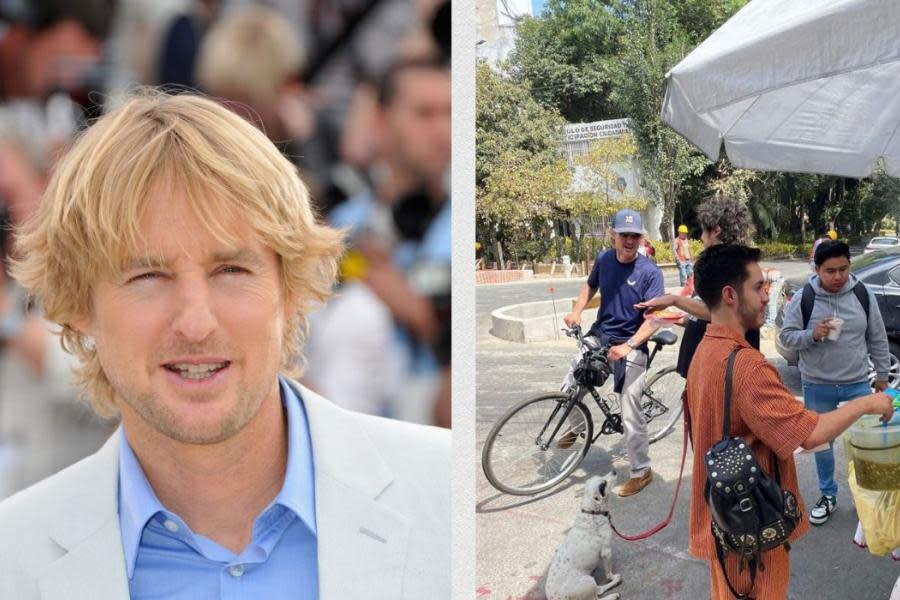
(664, 337)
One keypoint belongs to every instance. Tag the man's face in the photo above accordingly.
(418, 123)
(834, 273)
(627, 245)
(753, 298)
(191, 341)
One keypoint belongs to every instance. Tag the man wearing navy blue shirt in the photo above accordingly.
(624, 278)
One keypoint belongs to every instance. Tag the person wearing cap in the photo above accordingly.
(624, 278)
(683, 255)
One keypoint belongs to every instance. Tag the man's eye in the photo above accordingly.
(232, 269)
(144, 276)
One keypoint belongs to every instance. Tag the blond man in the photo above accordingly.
(177, 250)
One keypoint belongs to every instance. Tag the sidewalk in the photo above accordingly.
(518, 536)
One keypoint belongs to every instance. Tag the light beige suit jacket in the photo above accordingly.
(382, 512)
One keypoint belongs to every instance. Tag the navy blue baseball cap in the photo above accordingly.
(627, 221)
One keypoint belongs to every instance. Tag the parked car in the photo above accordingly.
(880, 272)
(880, 243)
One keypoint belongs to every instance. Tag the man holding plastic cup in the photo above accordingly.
(835, 324)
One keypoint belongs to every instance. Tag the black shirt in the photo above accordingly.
(694, 330)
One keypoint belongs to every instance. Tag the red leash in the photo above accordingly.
(663, 524)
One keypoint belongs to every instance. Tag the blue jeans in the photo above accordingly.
(823, 398)
(685, 271)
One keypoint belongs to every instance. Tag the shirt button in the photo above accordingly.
(236, 570)
(170, 525)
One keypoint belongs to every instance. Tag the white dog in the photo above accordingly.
(587, 545)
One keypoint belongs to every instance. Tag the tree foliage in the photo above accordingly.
(567, 57)
(521, 176)
(588, 60)
(508, 119)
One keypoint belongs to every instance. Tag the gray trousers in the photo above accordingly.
(637, 444)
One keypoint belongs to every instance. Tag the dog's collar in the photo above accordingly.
(605, 513)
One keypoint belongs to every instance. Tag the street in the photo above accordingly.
(518, 536)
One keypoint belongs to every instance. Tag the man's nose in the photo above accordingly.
(194, 318)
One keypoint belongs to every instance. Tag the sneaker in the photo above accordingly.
(635, 484)
(822, 510)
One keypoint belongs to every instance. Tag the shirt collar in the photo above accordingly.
(721, 331)
(298, 491)
(138, 502)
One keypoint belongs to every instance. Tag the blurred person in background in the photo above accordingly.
(37, 402)
(348, 350)
(403, 227)
(251, 58)
(178, 251)
(181, 44)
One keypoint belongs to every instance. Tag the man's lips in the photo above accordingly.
(197, 368)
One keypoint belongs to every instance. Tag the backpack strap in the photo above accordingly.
(809, 298)
(729, 370)
(720, 556)
(862, 294)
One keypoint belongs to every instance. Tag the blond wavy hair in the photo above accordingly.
(88, 222)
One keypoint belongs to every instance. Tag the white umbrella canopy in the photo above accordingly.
(809, 86)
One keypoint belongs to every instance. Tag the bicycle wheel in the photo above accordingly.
(661, 403)
(519, 458)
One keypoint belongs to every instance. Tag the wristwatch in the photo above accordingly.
(630, 343)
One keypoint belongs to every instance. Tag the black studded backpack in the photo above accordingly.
(750, 511)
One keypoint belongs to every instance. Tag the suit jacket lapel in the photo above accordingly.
(361, 543)
(93, 567)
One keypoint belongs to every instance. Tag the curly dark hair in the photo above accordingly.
(730, 215)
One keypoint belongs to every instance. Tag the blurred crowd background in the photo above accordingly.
(355, 92)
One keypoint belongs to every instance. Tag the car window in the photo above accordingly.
(894, 275)
(885, 241)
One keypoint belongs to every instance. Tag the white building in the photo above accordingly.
(497, 22)
(577, 141)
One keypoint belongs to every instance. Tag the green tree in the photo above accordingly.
(507, 118)
(567, 57)
(653, 41)
(520, 201)
(519, 171)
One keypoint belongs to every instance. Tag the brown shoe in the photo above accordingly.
(635, 484)
(567, 440)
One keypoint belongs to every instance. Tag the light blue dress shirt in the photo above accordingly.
(165, 559)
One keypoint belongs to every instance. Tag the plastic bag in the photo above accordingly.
(879, 514)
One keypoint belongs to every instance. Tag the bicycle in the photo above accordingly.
(553, 447)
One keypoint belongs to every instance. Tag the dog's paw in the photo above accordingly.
(615, 596)
(614, 580)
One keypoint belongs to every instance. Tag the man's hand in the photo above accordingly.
(822, 329)
(573, 318)
(881, 404)
(657, 303)
(880, 385)
(618, 352)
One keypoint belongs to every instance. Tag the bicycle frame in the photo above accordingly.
(612, 422)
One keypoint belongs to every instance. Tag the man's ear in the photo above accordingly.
(729, 295)
(83, 325)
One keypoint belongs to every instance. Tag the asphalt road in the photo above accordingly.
(517, 537)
